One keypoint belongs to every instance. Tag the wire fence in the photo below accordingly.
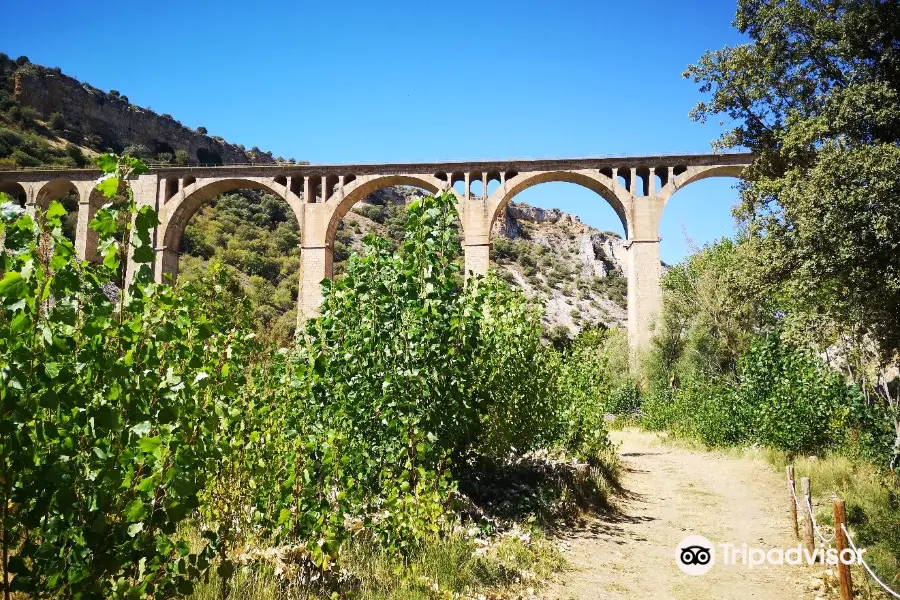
(841, 536)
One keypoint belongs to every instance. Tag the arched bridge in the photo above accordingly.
(320, 195)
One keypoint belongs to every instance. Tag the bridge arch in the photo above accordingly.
(358, 189)
(15, 190)
(699, 215)
(178, 209)
(596, 182)
(691, 174)
(56, 189)
(183, 205)
(81, 200)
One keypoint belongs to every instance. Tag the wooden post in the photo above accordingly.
(791, 502)
(840, 520)
(809, 541)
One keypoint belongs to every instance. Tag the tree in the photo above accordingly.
(182, 157)
(202, 130)
(138, 151)
(815, 94)
(56, 122)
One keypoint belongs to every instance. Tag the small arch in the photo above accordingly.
(661, 177)
(14, 190)
(190, 179)
(281, 180)
(623, 179)
(511, 175)
(458, 183)
(171, 188)
(678, 170)
(607, 171)
(348, 179)
(643, 182)
(315, 188)
(67, 193)
(494, 181)
(297, 186)
(55, 190)
(476, 185)
(441, 176)
(331, 185)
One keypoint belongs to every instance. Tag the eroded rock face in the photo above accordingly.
(533, 214)
(117, 122)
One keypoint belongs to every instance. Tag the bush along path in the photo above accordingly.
(669, 493)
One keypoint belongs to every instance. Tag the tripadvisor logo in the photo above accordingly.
(696, 555)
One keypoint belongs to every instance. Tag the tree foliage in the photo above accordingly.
(109, 408)
(815, 94)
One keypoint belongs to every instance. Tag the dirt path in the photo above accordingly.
(671, 493)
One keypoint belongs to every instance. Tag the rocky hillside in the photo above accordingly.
(47, 117)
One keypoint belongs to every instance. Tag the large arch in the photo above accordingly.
(692, 174)
(595, 182)
(357, 191)
(183, 205)
(76, 223)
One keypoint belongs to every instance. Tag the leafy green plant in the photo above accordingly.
(109, 408)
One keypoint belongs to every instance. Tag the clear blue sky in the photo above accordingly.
(408, 81)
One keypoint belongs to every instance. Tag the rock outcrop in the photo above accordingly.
(109, 121)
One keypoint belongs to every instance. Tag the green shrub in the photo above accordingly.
(56, 122)
(109, 411)
(796, 404)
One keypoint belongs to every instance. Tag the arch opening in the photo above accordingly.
(558, 240)
(253, 233)
(580, 180)
(476, 186)
(700, 214)
(180, 208)
(623, 179)
(66, 193)
(381, 211)
(15, 191)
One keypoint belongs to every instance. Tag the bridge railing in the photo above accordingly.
(289, 165)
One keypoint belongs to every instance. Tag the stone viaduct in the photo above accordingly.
(320, 195)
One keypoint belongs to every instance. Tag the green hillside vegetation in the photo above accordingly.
(256, 236)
